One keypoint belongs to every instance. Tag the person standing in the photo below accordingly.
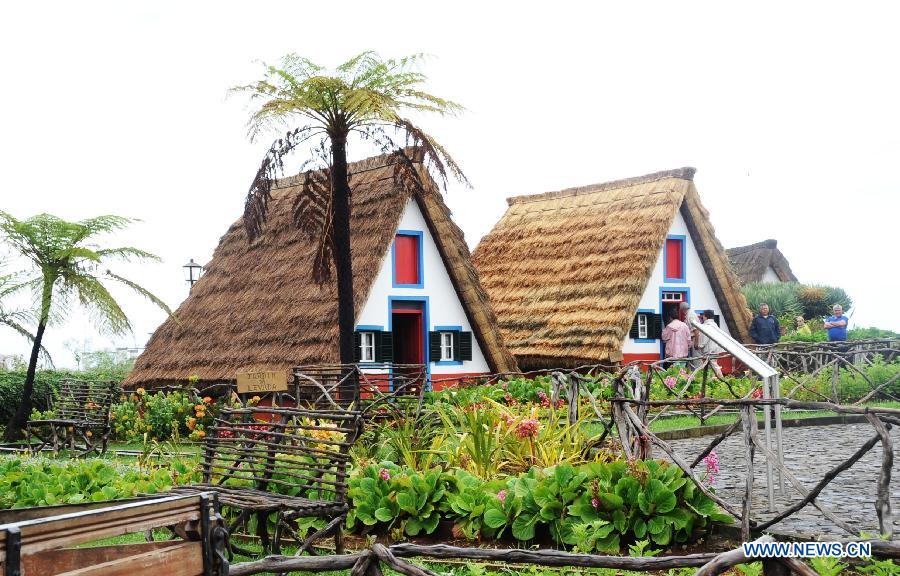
(836, 324)
(802, 329)
(677, 337)
(765, 329)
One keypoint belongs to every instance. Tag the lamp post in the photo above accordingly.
(192, 272)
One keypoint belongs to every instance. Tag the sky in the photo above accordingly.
(789, 112)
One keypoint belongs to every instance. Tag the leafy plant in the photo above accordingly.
(827, 566)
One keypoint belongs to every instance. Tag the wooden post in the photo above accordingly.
(748, 421)
(572, 393)
(835, 374)
(883, 501)
(703, 392)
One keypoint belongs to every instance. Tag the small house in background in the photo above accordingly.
(586, 275)
(418, 299)
(760, 262)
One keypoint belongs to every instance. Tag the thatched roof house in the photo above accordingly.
(760, 262)
(584, 275)
(257, 307)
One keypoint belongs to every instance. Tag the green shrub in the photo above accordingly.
(598, 506)
(46, 383)
(780, 296)
(26, 482)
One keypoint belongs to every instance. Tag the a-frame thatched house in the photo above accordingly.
(585, 275)
(760, 262)
(418, 297)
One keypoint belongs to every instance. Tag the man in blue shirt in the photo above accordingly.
(836, 324)
(765, 329)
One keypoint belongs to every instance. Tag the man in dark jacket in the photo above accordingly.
(765, 329)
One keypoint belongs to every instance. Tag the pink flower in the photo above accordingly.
(385, 475)
(528, 428)
(595, 502)
(712, 466)
(670, 382)
(757, 393)
(503, 385)
(682, 373)
(501, 496)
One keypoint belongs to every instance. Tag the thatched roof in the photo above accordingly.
(750, 262)
(257, 307)
(565, 270)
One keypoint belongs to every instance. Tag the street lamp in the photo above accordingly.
(192, 272)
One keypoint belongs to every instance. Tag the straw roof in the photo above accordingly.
(565, 270)
(257, 307)
(750, 262)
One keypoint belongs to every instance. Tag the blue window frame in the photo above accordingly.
(682, 242)
(419, 236)
(455, 330)
(647, 313)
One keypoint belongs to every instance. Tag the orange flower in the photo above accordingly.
(201, 433)
(199, 407)
(207, 400)
(191, 423)
(88, 433)
(140, 391)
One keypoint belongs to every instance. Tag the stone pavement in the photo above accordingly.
(809, 452)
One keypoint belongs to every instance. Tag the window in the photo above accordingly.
(674, 259)
(642, 326)
(366, 346)
(672, 296)
(447, 347)
(646, 326)
(407, 252)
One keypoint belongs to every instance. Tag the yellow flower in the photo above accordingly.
(140, 391)
(124, 418)
(89, 434)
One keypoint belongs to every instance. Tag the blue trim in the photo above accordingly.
(425, 324)
(369, 328)
(645, 340)
(448, 329)
(687, 295)
(683, 239)
(419, 237)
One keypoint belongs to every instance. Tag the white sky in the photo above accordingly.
(789, 111)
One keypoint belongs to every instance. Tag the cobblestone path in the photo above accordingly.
(809, 452)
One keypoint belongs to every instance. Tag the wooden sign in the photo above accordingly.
(272, 381)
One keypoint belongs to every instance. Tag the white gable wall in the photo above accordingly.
(701, 294)
(443, 306)
(769, 275)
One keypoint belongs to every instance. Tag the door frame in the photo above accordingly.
(425, 326)
(687, 298)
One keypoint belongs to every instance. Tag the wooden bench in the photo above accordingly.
(290, 462)
(81, 409)
(47, 546)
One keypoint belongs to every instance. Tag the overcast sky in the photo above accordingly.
(789, 111)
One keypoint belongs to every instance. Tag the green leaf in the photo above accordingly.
(406, 502)
(523, 527)
(640, 527)
(384, 515)
(494, 518)
(413, 526)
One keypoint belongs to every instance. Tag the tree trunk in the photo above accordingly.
(20, 418)
(342, 255)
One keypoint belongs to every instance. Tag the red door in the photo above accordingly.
(408, 327)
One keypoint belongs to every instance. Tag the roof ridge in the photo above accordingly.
(684, 173)
(365, 165)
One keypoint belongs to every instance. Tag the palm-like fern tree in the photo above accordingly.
(67, 265)
(366, 96)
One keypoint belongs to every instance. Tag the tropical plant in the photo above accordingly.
(780, 296)
(67, 265)
(12, 318)
(364, 96)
